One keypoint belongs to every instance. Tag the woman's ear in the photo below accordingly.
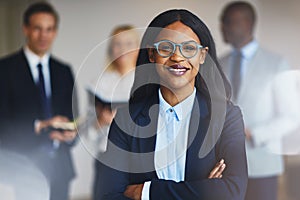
(203, 53)
(151, 54)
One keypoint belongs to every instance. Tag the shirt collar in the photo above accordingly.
(34, 59)
(249, 50)
(182, 109)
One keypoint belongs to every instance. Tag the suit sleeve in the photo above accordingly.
(12, 122)
(114, 181)
(75, 103)
(4, 105)
(71, 107)
(64, 96)
(231, 186)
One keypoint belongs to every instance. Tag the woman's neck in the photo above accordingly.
(175, 97)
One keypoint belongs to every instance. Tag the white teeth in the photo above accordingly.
(177, 70)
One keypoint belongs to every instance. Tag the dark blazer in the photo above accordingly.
(20, 105)
(127, 168)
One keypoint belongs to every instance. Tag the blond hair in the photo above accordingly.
(117, 30)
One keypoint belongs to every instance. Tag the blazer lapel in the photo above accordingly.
(24, 74)
(146, 127)
(54, 76)
(197, 131)
(253, 70)
(24, 79)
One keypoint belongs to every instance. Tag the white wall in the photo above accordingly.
(84, 24)
(11, 35)
(279, 28)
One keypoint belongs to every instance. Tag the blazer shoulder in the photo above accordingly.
(267, 55)
(232, 109)
(59, 63)
(271, 60)
(234, 118)
(11, 58)
(143, 107)
(60, 67)
(224, 62)
(137, 113)
(224, 57)
(9, 63)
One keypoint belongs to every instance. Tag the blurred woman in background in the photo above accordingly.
(110, 90)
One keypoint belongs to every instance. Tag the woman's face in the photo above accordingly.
(177, 72)
(124, 48)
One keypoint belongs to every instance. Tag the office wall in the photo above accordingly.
(11, 37)
(86, 24)
(279, 28)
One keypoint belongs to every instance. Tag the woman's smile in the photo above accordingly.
(177, 70)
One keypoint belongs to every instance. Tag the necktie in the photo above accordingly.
(45, 101)
(49, 147)
(236, 74)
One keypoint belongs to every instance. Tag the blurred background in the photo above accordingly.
(86, 24)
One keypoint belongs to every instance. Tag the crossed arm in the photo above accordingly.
(135, 191)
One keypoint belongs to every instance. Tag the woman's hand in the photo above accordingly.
(217, 171)
(134, 191)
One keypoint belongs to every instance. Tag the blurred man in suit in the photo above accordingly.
(268, 113)
(37, 94)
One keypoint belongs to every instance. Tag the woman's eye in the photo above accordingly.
(189, 48)
(165, 48)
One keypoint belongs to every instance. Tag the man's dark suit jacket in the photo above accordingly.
(20, 106)
(229, 146)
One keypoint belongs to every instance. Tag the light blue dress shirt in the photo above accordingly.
(171, 141)
(247, 52)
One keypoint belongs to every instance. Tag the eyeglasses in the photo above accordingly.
(166, 48)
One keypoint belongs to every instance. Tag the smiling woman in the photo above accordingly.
(155, 152)
(177, 73)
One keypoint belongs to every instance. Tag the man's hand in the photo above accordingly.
(217, 171)
(248, 134)
(42, 124)
(62, 136)
(134, 191)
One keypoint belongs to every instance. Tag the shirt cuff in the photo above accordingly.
(146, 191)
(37, 126)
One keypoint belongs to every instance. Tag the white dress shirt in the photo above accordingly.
(171, 141)
(33, 61)
(111, 86)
